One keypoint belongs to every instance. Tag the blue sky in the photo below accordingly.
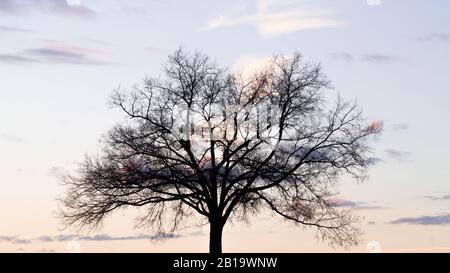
(59, 61)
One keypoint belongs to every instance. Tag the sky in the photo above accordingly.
(60, 60)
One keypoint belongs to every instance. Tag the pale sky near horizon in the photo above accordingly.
(59, 61)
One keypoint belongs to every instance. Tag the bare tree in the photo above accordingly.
(203, 141)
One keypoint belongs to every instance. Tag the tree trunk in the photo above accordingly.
(215, 236)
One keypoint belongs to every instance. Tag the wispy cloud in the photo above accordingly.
(443, 219)
(98, 237)
(335, 202)
(400, 156)
(366, 57)
(62, 7)
(399, 127)
(13, 29)
(22, 241)
(10, 138)
(343, 56)
(435, 36)
(46, 238)
(14, 240)
(7, 238)
(378, 58)
(439, 198)
(277, 17)
(16, 59)
(54, 52)
(57, 172)
(343, 203)
(105, 237)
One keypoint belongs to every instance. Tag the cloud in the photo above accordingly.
(400, 156)
(370, 207)
(372, 161)
(375, 126)
(63, 52)
(98, 237)
(14, 240)
(21, 241)
(54, 52)
(371, 223)
(378, 58)
(13, 29)
(46, 238)
(399, 127)
(435, 36)
(276, 18)
(7, 238)
(105, 237)
(57, 172)
(427, 220)
(438, 198)
(59, 238)
(343, 56)
(62, 7)
(368, 57)
(10, 138)
(248, 65)
(342, 203)
(16, 59)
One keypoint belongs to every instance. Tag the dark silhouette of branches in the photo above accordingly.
(203, 141)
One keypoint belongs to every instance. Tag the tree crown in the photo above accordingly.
(204, 140)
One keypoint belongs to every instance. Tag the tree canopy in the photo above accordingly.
(204, 141)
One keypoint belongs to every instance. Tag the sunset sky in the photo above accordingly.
(60, 60)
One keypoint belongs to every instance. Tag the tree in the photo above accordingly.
(204, 141)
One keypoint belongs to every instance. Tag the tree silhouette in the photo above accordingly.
(203, 141)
